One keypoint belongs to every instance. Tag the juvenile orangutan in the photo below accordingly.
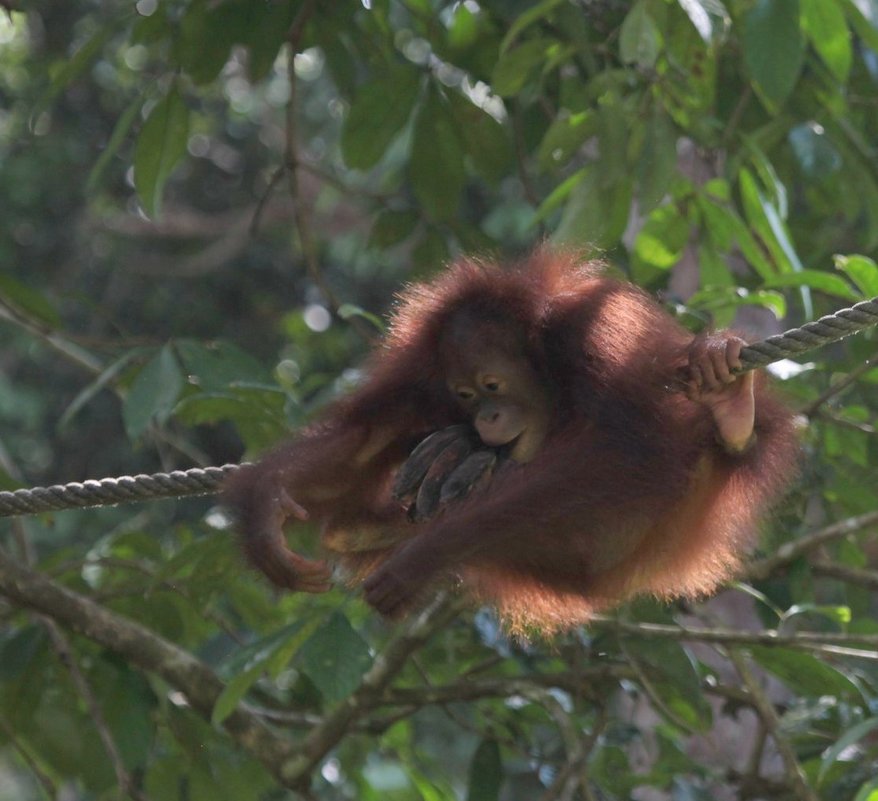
(632, 459)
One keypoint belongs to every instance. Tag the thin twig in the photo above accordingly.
(147, 570)
(853, 575)
(385, 668)
(789, 552)
(62, 648)
(754, 763)
(853, 425)
(146, 651)
(40, 775)
(765, 709)
(839, 386)
(58, 343)
(275, 179)
(821, 642)
(577, 747)
(652, 694)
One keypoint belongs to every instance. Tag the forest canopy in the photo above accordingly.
(207, 208)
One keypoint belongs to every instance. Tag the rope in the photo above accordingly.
(110, 491)
(821, 332)
(207, 480)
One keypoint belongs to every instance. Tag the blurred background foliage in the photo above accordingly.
(206, 208)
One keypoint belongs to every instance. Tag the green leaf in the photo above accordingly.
(565, 136)
(595, 216)
(804, 673)
(258, 412)
(205, 36)
(673, 682)
(710, 17)
(862, 271)
(463, 30)
(484, 139)
(436, 167)
(153, 393)
(268, 28)
(853, 735)
(721, 299)
(611, 767)
(765, 218)
(815, 279)
(515, 67)
(348, 310)
(848, 443)
(108, 374)
(117, 138)
(18, 650)
(485, 772)
(712, 268)
(528, 18)
(232, 694)
(392, 227)
(215, 366)
(614, 124)
(774, 187)
(774, 49)
(558, 196)
(814, 150)
(840, 615)
(663, 237)
(868, 792)
(259, 652)
(657, 165)
(269, 654)
(862, 26)
(727, 228)
(152, 29)
(430, 789)
(28, 300)
(335, 658)
(824, 24)
(160, 145)
(640, 40)
(431, 251)
(129, 706)
(378, 112)
(208, 31)
(82, 59)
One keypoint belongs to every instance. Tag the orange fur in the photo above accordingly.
(629, 494)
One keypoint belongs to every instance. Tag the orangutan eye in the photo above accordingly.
(465, 394)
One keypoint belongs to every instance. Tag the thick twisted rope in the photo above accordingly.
(109, 491)
(205, 481)
(813, 335)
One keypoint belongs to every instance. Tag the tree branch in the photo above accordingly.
(43, 778)
(385, 668)
(827, 643)
(765, 709)
(854, 575)
(146, 651)
(65, 654)
(789, 552)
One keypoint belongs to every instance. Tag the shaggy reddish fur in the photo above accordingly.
(629, 494)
